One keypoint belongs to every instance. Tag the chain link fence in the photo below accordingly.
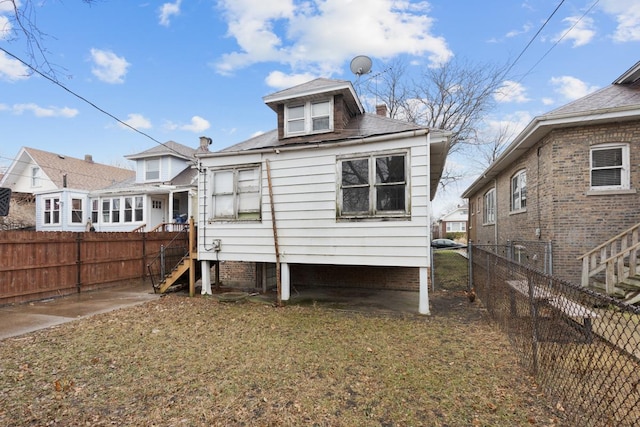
(582, 347)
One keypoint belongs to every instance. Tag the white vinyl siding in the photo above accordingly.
(305, 193)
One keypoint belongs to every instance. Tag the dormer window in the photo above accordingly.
(152, 169)
(308, 117)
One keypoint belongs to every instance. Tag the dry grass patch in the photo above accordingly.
(197, 362)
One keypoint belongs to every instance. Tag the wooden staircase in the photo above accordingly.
(183, 266)
(613, 267)
(188, 262)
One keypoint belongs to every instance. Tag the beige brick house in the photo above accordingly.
(570, 177)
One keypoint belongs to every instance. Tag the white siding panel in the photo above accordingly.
(304, 187)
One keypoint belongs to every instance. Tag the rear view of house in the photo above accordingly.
(333, 196)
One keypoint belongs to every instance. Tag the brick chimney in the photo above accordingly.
(88, 158)
(205, 142)
(381, 110)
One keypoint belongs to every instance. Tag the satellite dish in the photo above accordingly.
(360, 65)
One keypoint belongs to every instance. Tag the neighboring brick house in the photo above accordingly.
(570, 177)
(351, 193)
(454, 221)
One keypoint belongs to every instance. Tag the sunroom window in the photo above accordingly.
(236, 194)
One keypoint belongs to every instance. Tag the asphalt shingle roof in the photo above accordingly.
(81, 174)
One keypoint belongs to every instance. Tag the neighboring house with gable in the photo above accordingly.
(76, 194)
(58, 186)
(454, 221)
(334, 196)
(570, 177)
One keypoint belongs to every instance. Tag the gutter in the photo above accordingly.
(303, 146)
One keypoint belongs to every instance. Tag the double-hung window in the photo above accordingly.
(52, 211)
(309, 117)
(95, 210)
(76, 211)
(609, 167)
(373, 186)
(236, 194)
(152, 169)
(489, 207)
(519, 191)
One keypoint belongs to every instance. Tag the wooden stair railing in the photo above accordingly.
(610, 257)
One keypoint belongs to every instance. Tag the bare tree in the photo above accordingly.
(21, 24)
(454, 96)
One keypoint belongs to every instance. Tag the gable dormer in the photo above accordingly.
(319, 107)
(161, 163)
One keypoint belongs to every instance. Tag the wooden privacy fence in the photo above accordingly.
(36, 265)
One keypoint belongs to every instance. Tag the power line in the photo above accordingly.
(57, 83)
(533, 38)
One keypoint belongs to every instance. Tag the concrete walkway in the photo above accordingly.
(24, 318)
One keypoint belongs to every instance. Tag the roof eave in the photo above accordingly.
(538, 128)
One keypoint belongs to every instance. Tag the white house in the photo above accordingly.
(78, 194)
(454, 221)
(332, 186)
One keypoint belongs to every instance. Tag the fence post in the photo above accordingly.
(162, 276)
(78, 261)
(470, 264)
(533, 309)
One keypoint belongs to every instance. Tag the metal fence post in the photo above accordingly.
(470, 264)
(162, 262)
(533, 309)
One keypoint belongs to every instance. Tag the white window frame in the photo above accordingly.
(35, 176)
(519, 191)
(623, 167)
(307, 118)
(244, 196)
(151, 173)
(77, 213)
(51, 211)
(489, 207)
(95, 210)
(372, 186)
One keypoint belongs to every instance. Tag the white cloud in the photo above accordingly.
(38, 111)
(571, 88)
(320, 35)
(8, 6)
(197, 125)
(5, 27)
(12, 69)
(524, 30)
(511, 91)
(108, 67)
(168, 10)
(579, 30)
(280, 80)
(627, 14)
(547, 101)
(136, 121)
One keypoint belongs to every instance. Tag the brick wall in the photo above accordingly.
(558, 200)
(249, 275)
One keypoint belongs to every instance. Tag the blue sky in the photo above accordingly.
(178, 70)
